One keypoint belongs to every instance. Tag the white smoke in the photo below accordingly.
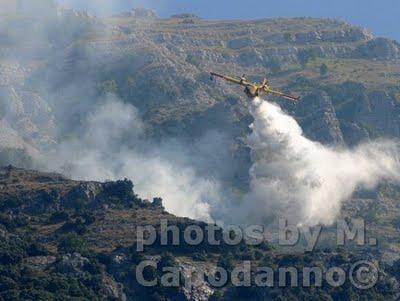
(111, 146)
(304, 181)
(291, 177)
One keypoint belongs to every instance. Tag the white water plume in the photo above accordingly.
(304, 181)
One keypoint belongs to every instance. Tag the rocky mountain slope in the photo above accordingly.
(161, 65)
(55, 69)
(64, 240)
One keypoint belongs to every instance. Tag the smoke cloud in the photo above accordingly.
(105, 139)
(304, 181)
(112, 145)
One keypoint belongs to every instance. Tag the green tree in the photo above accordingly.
(71, 243)
(323, 70)
(193, 60)
(304, 57)
(274, 64)
(289, 37)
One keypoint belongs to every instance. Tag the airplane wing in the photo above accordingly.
(232, 79)
(289, 97)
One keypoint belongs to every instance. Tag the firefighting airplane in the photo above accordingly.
(252, 89)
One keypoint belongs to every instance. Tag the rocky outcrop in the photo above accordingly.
(320, 121)
(380, 116)
(113, 289)
(41, 262)
(72, 264)
(86, 193)
(201, 289)
(26, 120)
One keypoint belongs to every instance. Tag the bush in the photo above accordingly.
(274, 64)
(226, 262)
(193, 60)
(167, 260)
(121, 190)
(199, 256)
(217, 296)
(77, 226)
(36, 249)
(71, 243)
(58, 217)
(323, 70)
(304, 56)
(396, 222)
(289, 37)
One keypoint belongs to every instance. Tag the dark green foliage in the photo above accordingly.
(217, 296)
(19, 283)
(199, 256)
(121, 190)
(12, 222)
(338, 259)
(93, 267)
(290, 260)
(193, 60)
(266, 246)
(304, 56)
(396, 222)
(36, 249)
(274, 64)
(289, 37)
(71, 243)
(323, 70)
(58, 217)
(167, 260)
(10, 202)
(58, 281)
(157, 202)
(12, 251)
(227, 262)
(76, 226)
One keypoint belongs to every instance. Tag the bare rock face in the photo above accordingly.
(72, 264)
(112, 289)
(322, 124)
(26, 120)
(41, 262)
(85, 192)
(201, 290)
(381, 115)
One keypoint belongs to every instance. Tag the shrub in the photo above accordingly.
(71, 243)
(199, 256)
(193, 60)
(323, 70)
(304, 56)
(274, 64)
(58, 217)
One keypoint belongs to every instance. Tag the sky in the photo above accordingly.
(382, 17)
